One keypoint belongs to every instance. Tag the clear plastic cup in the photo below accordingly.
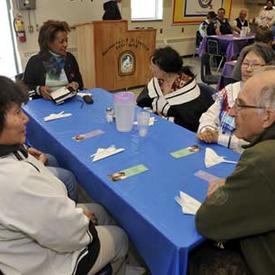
(143, 119)
(124, 107)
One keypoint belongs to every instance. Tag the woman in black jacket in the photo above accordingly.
(53, 67)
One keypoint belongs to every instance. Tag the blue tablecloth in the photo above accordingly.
(144, 204)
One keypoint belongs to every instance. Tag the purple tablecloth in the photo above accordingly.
(231, 45)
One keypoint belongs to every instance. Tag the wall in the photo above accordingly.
(181, 37)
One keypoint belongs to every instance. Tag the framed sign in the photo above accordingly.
(126, 63)
(194, 11)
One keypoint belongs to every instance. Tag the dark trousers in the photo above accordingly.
(208, 259)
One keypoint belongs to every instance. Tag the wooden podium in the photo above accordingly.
(112, 57)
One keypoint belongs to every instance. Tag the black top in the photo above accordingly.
(241, 24)
(225, 27)
(186, 113)
(211, 28)
(112, 11)
(35, 72)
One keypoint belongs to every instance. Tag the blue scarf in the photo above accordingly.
(54, 65)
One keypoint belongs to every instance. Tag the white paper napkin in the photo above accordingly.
(56, 116)
(83, 94)
(212, 158)
(188, 204)
(102, 153)
(151, 121)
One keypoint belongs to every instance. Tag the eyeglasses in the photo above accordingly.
(238, 105)
(253, 66)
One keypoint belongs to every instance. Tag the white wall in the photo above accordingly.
(73, 12)
(181, 37)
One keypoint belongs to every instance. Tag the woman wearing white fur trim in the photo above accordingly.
(173, 92)
(216, 125)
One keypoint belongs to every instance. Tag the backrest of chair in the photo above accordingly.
(207, 93)
(205, 66)
(213, 46)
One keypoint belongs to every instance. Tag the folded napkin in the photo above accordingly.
(83, 94)
(212, 158)
(56, 116)
(151, 121)
(102, 153)
(188, 204)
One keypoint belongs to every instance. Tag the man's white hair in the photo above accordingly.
(266, 96)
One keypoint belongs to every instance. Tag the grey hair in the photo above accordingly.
(260, 49)
(266, 97)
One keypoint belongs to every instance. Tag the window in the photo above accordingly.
(146, 9)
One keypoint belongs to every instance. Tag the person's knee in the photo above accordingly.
(68, 178)
(121, 242)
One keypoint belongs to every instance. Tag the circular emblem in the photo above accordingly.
(205, 3)
(127, 63)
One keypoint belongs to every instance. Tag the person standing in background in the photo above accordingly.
(111, 10)
(266, 16)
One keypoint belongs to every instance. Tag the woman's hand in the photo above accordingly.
(90, 215)
(74, 85)
(38, 155)
(45, 92)
(208, 136)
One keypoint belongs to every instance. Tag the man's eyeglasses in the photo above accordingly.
(238, 105)
(253, 66)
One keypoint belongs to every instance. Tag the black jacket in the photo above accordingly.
(35, 72)
(112, 11)
(241, 24)
(225, 27)
(243, 210)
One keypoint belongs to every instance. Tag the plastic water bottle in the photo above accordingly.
(124, 105)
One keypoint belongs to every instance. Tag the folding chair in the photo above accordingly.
(214, 50)
(206, 73)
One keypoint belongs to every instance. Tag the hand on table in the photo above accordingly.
(214, 185)
(45, 92)
(208, 135)
(74, 85)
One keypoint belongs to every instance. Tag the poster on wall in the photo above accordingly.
(194, 11)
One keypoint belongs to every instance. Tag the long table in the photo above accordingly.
(231, 45)
(144, 204)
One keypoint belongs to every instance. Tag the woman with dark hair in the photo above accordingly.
(216, 125)
(42, 230)
(266, 16)
(173, 92)
(53, 67)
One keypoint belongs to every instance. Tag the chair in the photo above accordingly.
(207, 93)
(214, 50)
(206, 74)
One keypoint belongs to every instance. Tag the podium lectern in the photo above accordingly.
(112, 57)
